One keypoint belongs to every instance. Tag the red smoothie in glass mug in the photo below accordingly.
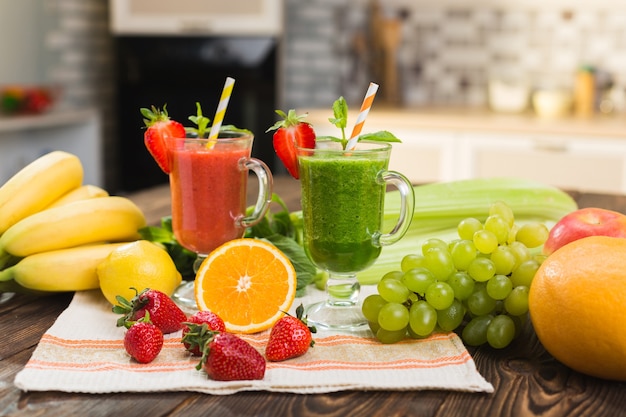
(208, 191)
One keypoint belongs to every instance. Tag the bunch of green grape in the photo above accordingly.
(476, 285)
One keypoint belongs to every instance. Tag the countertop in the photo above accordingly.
(54, 118)
(527, 380)
(477, 120)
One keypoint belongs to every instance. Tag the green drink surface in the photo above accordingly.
(342, 204)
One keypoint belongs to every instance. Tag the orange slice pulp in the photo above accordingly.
(248, 282)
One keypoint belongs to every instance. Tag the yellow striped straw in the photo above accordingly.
(221, 109)
(360, 121)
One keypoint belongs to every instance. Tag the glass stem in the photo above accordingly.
(196, 264)
(342, 290)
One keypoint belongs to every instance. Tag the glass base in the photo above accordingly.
(340, 310)
(184, 296)
(327, 316)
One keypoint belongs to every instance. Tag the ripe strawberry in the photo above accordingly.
(159, 128)
(143, 341)
(227, 357)
(290, 132)
(290, 337)
(192, 338)
(164, 313)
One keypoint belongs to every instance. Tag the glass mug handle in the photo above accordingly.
(264, 175)
(407, 205)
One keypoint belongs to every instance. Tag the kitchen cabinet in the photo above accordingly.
(25, 138)
(588, 164)
(446, 145)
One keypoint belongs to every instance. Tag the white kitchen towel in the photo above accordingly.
(83, 352)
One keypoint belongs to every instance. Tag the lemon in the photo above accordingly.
(140, 265)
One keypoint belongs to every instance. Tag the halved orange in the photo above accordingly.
(248, 282)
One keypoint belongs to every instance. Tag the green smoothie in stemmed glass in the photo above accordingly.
(343, 193)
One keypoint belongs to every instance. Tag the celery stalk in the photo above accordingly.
(439, 207)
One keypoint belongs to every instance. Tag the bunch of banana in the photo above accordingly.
(53, 233)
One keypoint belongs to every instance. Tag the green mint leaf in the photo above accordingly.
(333, 138)
(305, 270)
(381, 136)
(340, 111)
(156, 234)
(233, 128)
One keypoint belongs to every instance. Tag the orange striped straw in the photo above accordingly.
(360, 121)
(221, 108)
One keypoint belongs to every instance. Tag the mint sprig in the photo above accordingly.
(340, 119)
(202, 127)
(201, 122)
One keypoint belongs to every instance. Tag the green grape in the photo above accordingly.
(532, 234)
(521, 252)
(462, 285)
(485, 240)
(516, 303)
(479, 303)
(467, 227)
(524, 273)
(390, 337)
(451, 244)
(481, 269)
(501, 331)
(433, 243)
(504, 259)
(439, 262)
(503, 210)
(440, 295)
(392, 290)
(413, 335)
(450, 318)
(497, 225)
(393, 275)
(374, 326)
(412, 261)
(371, 306)
(463, 252)
(475, 332)
(422, 318)
(418, 279)
(499, 287)
(393, 316)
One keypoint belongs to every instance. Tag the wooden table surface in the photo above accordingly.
(527, 380)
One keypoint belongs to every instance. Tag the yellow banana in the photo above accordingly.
(37, 185)
(72, 269)
(104, 219)
(81, 193)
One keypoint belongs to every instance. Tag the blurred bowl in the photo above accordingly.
(508, 97)
(552, 103)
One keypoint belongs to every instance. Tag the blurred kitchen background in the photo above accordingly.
(443, 62)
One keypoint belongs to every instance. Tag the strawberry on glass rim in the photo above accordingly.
(160, 127)
(290, 132)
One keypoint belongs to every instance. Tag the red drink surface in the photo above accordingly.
(208, 189)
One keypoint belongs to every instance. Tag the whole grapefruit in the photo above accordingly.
(577, 305)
